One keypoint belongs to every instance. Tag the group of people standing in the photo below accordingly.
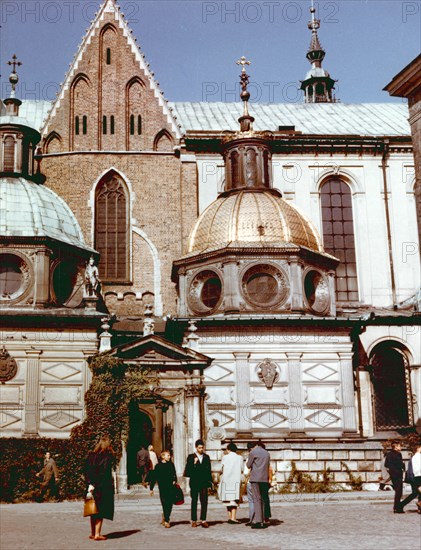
(237, 479)
(395, 467)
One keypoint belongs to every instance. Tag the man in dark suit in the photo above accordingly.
(395, 466)
(198, 469)
(49, 475)
(258, 462)
(143, 464)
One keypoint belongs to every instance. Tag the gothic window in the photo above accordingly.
(112, 124)
(139, 125)
(112, 227)
(132, 125)
(338, 236)
(390, 377)
(85, 125)
(9, 154)
(104, 124)
(108, 56)
(77, 125)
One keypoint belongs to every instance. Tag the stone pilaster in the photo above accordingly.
(194, 395)
(179, 448)
(42, 277)
(332, 294)
(296, 270)
(122, 471)
(296, 410)
(242, 375)
(31, 423)
(231, 287)
(348, 397)
(366, 403)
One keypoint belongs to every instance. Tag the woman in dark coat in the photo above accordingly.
(98, 475)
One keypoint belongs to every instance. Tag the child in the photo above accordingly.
(164, 474)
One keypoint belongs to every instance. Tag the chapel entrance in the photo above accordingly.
(391, 386)
(140, 433)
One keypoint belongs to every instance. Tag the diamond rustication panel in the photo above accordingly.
(6, 419)
(217, 372)
(269, 418)
(60, 419)
(62, 371)
(320, 372)
(322, 418)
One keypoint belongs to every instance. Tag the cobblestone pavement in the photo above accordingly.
(335, 521)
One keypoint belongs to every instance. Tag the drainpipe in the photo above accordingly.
(385, 158)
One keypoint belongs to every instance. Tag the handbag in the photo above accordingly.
(178, 495)
(90, 508)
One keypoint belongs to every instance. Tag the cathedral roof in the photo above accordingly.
(252, 219)
(31, 210)
(368, 119)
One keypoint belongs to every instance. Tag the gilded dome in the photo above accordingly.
(252, 218)
(31, 210)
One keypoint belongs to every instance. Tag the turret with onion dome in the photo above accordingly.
(43, 254)
(318, 85)
(251, 251)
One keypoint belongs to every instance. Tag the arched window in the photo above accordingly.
(132, 125)
(112, 227)
(108, 56)
(104, 124)
(9, 154)
(390, 377)
(77, 125)
(139, 125)
(338, 236)
(85, 124)
(112, 124)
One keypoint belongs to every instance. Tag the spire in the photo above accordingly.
(246, 121)
(12, 103)
(315, 53)
(318, 84)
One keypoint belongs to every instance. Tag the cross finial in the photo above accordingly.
(14, 62)
(243, 62)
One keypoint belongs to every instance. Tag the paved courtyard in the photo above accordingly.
(335, 521)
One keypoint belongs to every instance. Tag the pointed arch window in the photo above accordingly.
(77, 125)
(112, 227)
(85, 125)
(9, 154)
(108, 56)
(139, 125)
(104, 125)
(338, 236)
(112, 124)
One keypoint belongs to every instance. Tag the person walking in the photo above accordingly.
(165, 475)
(413, 477)
(143, 464)
(152, 457)
(99, 478)
(50, 477)
(395, 466)
(258, 462)
(198, 469)
(384, 478)
(230, 482)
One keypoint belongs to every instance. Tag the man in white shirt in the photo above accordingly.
(413, 476)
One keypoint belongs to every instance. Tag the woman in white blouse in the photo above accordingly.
(230, 481)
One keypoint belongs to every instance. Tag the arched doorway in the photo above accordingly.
(140, 433)
(390, 377)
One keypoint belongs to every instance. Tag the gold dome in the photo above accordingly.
(254, 218)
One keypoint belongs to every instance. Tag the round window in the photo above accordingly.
(14, 275)
(205, 292)
(316, 291)
(265, 286)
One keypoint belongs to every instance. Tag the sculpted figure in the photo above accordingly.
(92, 281)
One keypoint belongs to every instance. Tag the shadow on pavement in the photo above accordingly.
(121, 534)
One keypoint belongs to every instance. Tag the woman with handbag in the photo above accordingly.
(165, 475)
(230, 482)
(98, 475)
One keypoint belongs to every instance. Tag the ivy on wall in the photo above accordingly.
(114, 386)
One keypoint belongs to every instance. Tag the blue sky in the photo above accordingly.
(192, 45)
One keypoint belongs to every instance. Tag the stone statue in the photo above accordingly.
(92, 281)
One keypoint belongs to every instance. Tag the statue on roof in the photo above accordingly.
(92, 280)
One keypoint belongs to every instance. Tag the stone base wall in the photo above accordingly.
(364, 461)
